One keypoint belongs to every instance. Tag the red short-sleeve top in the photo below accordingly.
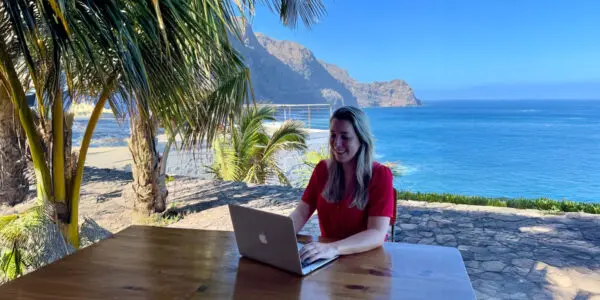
(339, 220)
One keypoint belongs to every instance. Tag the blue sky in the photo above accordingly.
(448, 44)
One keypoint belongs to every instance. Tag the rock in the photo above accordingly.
(472, 264)
(411, 240)
(506, 217)
(518, 296)
(465, 225)
(427, 241)
(499, 249)
(523, 262)
(408, 226)
(375, 94)
(524, 254)
(493, 266)
(287, 72)
(426, 233)
(517, 270)
(492, 277)
(444, 238)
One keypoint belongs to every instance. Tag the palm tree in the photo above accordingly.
(13, 182)
(149, 59)
(119, 51)
(227, 82)
(249, 153)
(217, 104)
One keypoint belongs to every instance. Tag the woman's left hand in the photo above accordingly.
(315, 250)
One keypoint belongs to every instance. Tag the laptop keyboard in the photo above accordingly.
(304, 263)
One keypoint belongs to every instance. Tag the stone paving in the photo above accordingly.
(510, 253)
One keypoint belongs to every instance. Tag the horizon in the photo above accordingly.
(437, 46)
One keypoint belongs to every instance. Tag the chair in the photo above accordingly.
(394, 216)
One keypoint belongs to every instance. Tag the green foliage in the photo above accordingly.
(521, 203)
(396, 168)
(309, 162)
(169, 178)
(11, 262)
(249, 153)
(14, 232)
(157, 220)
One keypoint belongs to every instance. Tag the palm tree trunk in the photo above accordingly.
(150, 194)
(13, 182)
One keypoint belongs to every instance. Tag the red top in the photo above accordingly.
(338, 220)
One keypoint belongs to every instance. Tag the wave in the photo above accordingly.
(529, 110)
(104, 142)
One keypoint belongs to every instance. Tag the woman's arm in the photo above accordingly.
(300, 215)
(371, 238)
(366, 240)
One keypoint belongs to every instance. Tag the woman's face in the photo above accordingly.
(343, 141)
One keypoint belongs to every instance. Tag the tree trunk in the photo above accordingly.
(13, 182)
(150, 194)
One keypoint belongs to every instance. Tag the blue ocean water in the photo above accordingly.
(494, 148)
(485, 148)
(108, 132)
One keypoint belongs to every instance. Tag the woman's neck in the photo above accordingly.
(349, 169)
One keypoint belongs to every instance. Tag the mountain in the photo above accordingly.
(285, 72)
(376, 94)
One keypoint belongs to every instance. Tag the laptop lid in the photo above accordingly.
(266, 237)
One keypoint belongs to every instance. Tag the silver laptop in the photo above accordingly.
(269, 238)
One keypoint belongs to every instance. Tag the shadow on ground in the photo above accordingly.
(93, 174)
(217, 193)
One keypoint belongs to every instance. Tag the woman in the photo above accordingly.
(353, 194)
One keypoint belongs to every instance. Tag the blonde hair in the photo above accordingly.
(335, 186)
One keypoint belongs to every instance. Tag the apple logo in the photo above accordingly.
(263, 238)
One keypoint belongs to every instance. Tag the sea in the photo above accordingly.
(492, 148)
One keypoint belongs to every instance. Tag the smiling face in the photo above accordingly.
(343, 141)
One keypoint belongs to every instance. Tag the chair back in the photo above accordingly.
(395, 215)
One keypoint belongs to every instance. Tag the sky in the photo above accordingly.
(453, 44)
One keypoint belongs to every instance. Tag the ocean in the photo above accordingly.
(494, 148)
(528, 148)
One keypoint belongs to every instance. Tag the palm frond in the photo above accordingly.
(289, 136)
(289, 11)
(225, 162)
(214, 109)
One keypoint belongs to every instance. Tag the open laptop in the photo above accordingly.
(269, 238)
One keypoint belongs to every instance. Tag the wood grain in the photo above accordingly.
(165, 263)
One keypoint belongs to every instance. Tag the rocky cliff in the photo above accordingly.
(375, 94)
(287, 73)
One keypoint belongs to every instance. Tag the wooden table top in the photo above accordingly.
(165, 263)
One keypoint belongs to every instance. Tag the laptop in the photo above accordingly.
(269, 238)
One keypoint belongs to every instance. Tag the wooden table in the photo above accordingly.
(165, 263)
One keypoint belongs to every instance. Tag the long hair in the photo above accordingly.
(335, 186)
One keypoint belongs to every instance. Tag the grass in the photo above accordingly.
(169, 178)
(544, 204)
(156, 220)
